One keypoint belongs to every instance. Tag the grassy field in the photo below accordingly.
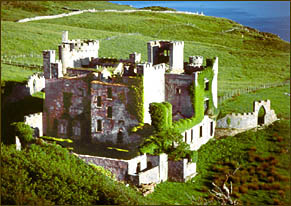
(243, 61)
(280, 101)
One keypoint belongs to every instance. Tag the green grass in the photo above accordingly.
(243, 62)
(15, 10)
(15, 74)
(280, 102)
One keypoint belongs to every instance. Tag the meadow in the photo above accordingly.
(247, 57)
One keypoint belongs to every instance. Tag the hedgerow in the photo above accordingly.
(50, 175)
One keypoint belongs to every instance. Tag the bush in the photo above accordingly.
(50, 175)
(24, 132)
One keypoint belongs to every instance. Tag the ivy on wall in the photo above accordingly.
(161, 115)
(198, 94)
(135, 105)
(168, 133)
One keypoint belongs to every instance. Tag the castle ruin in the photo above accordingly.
(99, 100)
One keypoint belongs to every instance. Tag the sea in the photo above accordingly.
(265, 16)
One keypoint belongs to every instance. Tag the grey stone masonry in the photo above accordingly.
(249, 120)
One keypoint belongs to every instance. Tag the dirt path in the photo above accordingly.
(95, 11)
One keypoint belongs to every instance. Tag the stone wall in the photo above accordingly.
(35, 121)
(36, 83)
(66, 103)
(153, 84)
(200, 134)
(249, 120)
(182, 170)
(145, 177)
(115, 126)
(122, 169)
(177, 93)
(118, 167)
(161, 161)
(78, 53)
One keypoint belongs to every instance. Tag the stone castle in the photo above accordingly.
(90, 98)
(99, 100)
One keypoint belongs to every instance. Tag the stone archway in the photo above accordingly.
(120, 136)
(261, 115)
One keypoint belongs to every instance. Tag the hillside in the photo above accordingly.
(246, 56)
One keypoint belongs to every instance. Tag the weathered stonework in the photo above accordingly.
(249, 120)
(181, 171)
(100, 100)
(35, 122)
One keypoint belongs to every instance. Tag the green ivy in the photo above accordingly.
(67, 98)
(167, 132)
(135, 105)
(161, 115)
(198, 94)
(24, 132)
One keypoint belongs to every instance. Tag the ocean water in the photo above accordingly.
(266, 16)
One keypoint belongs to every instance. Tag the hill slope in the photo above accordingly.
(247, 56)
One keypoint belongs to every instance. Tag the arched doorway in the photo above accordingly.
(261, 116)
(120, 136)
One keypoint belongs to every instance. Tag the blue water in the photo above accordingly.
(266, 16)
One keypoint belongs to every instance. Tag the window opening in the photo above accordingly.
(207, 86)
(109, 112)
(99, 102)
(109, 93)
(99, 125)
(201, 130)
(211, 128)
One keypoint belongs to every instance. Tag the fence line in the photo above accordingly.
(240, 91)
(24, 65)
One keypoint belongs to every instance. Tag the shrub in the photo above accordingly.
(243, 189)
(49, 174)
(253, 186)
(270, 179)
(24, 132)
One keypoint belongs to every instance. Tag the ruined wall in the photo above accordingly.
(200, 134)
(161, 161)
(249, 120)
(36, 83)
(114, 127)
(153, 84)
(169, 52)
(67, 108)
(18, 91)
(238, 121)
(182, 170)
(77, 53)
(177, 57)
(177, 93)
(35, 121)
(118, 167)
(122, 169)
(214, 82)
